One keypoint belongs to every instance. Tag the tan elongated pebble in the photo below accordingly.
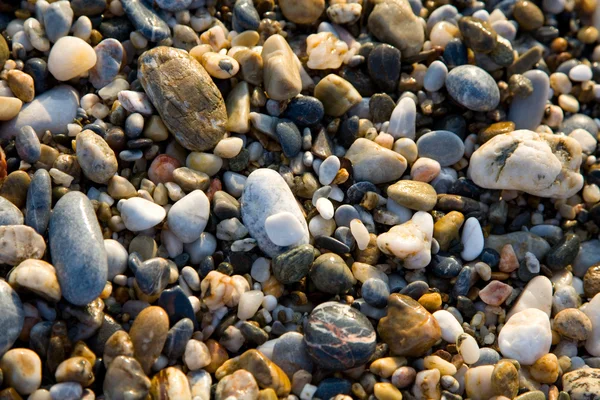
(9, 108)
(186, 98)
(281, 74)
(22, 369)
(38, 277)
(336, 94)
(302, 11)
(220, 66)
(148, 334)
(238, 108)
(70, 57)
(96, 158)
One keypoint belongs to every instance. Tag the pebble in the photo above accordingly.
(591, 310)
(477, 34)
(373, 163)
(289, 137)
(38, 277)
(444, 147)
(28, 145)
(410, 241)
(58, 18)
(478, 382)
(96, 158)
(536, 294)
(563, 253)
(435, 77)
(403, 119)
(528, 15)
(393, 22)
(414, 195)
(52, 111)
(188, 217)
(172, 382)
(281, 74)
(208, 114)
(473, 88)
(467, 348)
(9, 213)
(582, 383)
(330, 274)
(384, 66)
(294, 264)
(66, 391)
(125, 374)
(148, 334)
(304, 110)
(239, 385)
(302, 11)
(339, 349)
(10, 108)
(21, 84)
(22, 370)
(526, 336)
(505, 379)
(139, 214)
(404, 318)
(245, 16)
(146, 20)
(325, 51)
(70, 57)
(265, 195)
(449, 325)
(39, 201)
(551, 176)
(472, 240)
(12, 317)
(291, 355)
(109, 55)
(336, 94)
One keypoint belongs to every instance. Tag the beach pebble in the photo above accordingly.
(139, 214)
(12, 318)
(403, 119)
(146, 20)
(281, 74)
(125, 374)
(393, 22)
(109, 55)
(188, 217)
(70, 57)
(302, 11)
(96, 158)
(444, 147)
(410, 241)
(337, 95)
(471, 239)
(22, 370)
(374, 163)
(449, 326)
(9, 213)
(36, 276)
(473, 88)
(20, 242)
(526, 336)
(435, 77)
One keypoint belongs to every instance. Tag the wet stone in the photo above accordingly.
(384, 67)
(146, 20)
(294, 264)
(478, 34)
(330, 274)
(339, 349)
(473, 88)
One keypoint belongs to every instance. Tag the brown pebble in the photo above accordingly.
(148, 335)
(21, 85)
(528, 15)
(14, 188)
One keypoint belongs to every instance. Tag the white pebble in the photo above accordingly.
(261, 269)
(269, 302)
(249, 304)
(449, 325)
(70, 57)
(229, 147)
(360, 233)
(435, 77)
(468, 348)
(580, 73)
(472, 239)
(328, 170)
(403, 119)
(284, 229)
(139, 214)
(319, 226)
(196, 355)
(325, 208)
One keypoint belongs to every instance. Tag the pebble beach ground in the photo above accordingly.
(299, 199)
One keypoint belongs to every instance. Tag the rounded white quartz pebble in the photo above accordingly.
(468, 348)
(403, 119)
(328, 170)
(139, 214)
(319, 226)
(587, 141)
(229, 147)
(283, 228)
(478, 382)
(472, 239)
(449, 325)
(269, 302)
(537, 294)
(580, 73)
(360, 233)
(70, 57)
(526, 336)
(261, 269)
(196, 355)
(325, 208)
(188, 217)
(592, 310)
(116, 255)
(249, 304)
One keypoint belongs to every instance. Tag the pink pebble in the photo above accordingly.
(403, 377)
(495, 293)
(161, 169)
(425, 170)
(385, 140)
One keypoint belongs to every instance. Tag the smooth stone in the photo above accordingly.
(541, 164)
(381, 107)
(373, 163)
(9, 213)
(70, 57)
(449, 326)
(293, 265)
(410, 241)
(10, 108)
(537, 294)
(472, 239)
(109, 55)
(582, 384)
(177, 305)
(375, 292)
(77, 249)
(444, 147)
(52, 111)
(478, 382)
(522, 242)
(177, 338)
(302, 11)
(125, 378)
(22, 370)
(95, 157)
(36, 276)
(435, 77)
(28, 145)
(393, 22)
(266, 194)
(526, 336)
(116, 258)
(239, 385)
(579, 121)
(245, 16)
(473, 88)
(330, 274)
(403, 119)
(330, 387)
(20, 242)
(148, 334)
(467, 347)
(477, 34)
(289, 137)
(291, 355)
(152, 276)
(284, 229)
(177, 5)
(88, 7)
(337, 95)
(591, 310)
(384, 67)
(12, 316)
(146, 20)
(39, 201)
(573, 324)
(139, 214)
(281, 74)
(186, 109)
(304, 110)
(58, 18)
(188, 217)
(414, 195)
(408, 328)
(527, 112)
(170, 383)
(563, 253)
(589, 254)
(351, 344)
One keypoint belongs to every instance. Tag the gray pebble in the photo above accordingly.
(39, 201)
(473, 88)
(58, 18)
(11, 317)
(443, 146)
(9, 213)
(28, 145)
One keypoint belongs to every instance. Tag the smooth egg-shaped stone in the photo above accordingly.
(22, 370)
(36, 276)
(39, 201)
(146, 20)
(11, 317)
(51, 111)
(109, 53)
(527, 112)
(473, 88)
(189, 216)
(9, 213)
(140, 214)
(77, 249)
(70, 57)
(266, 194)
(283, 229)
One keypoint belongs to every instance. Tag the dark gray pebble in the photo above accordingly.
(177, 305)
(304, 110)
(384, 67)
(289, 137)
(375, 292)
(152, 276)
(177, 338)
(245, 16)
(294, 264)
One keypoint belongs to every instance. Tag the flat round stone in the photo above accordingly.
(473, 88)
(283, 229)
(339, 337)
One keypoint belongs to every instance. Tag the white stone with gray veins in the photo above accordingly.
(411, 241)
(582, 384)
(540, 164)
(18, 243)
(11, 317)
(189, 216)
(266, 194)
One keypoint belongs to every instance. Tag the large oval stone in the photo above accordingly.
(339, 337)
(77, 249)
(266, 194)
(11, 317)
(185, 96)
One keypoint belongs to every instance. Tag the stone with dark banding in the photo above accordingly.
(339, 337)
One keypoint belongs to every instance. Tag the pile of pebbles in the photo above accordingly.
(299, 199)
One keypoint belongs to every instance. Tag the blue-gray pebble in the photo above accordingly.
(442, 146)
(28, 145)
(77, 249)
(579, 121)
(174, 5)
(289, 137)
(58, 18)
(145, 20)
(11, 317)
(9, 213)
(375, 292)
(39, 201)
(245, 16)
(473, 88)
